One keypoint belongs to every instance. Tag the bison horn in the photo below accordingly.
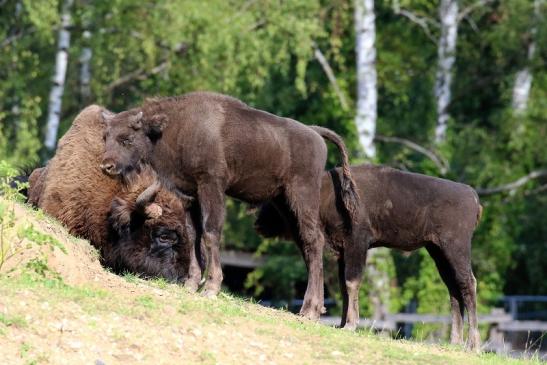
(153, 211)
(135, 121)
(147, 196)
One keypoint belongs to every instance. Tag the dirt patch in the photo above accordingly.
(36, 237)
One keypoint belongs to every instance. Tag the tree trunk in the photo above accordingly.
(448, 14)
(523, 79)
(365, 33)
(85, 69)
(376, 277)
(57, 90)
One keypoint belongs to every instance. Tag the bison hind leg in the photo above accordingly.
(303, 200)
(454, 264)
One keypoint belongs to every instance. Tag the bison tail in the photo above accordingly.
(348, 192)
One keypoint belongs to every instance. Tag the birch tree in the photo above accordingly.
(523, 79)
(365, 34)
(376, 276)
(57, 89)
(85, 61)
(448, 15)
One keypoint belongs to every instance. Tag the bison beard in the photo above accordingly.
(400, 210)
(210, 145)
(138, 225)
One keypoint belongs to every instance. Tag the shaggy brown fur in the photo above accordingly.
(36, 181)
(210, 145)
(399, 210)
(153, 238)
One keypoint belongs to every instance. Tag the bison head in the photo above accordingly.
(129, 138)
(154, 234)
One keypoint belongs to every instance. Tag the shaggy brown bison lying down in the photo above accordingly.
(138, 225)
(399, 210)
(210, 145)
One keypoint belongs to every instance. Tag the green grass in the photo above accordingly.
(16, 321)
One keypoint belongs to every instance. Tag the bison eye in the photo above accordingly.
(166, 237)
(127, 142)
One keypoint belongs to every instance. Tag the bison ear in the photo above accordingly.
(120, 216)
(135, 121)
(106, 115)
(156, 125)
(153, 211)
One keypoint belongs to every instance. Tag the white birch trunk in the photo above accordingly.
(378, 282)
(448, 14)
(57, 90)
(376, 277)
(85, 69)
(365, 33)
(523, 79)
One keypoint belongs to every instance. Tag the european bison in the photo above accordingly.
(138, 225)
(210, 145)
(399, 210)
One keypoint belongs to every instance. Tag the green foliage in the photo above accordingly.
(428, 289)
(239, 232)
(7, 173)
(281, 272)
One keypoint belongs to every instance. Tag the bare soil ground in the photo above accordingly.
(59, 306)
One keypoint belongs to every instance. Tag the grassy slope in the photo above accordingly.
(128, 320)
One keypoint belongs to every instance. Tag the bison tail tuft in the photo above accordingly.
(348, 188)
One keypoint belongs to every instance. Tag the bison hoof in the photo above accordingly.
(474, 346)
(209, 293)
(310, 314)
(350, 327)
(191, 286)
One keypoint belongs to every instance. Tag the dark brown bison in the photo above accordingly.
(210, 145)
(399, 210)
(139, 225)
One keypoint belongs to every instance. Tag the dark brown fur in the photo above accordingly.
(156, 239)
(400, 210)
(210, 145)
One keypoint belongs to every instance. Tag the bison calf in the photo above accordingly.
(399, 210)
(138, 224)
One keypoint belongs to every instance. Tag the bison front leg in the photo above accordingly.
(194, 238)
(194, 272)
(211, 201)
